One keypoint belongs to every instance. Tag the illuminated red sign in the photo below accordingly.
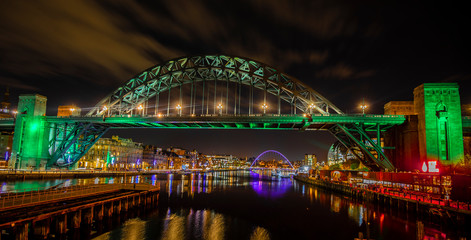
(430, 166)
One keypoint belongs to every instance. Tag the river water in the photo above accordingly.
(250, 205)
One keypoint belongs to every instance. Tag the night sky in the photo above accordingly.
(77, 52)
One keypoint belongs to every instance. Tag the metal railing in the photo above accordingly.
(8, 200)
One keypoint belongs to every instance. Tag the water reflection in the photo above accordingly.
(244, 205)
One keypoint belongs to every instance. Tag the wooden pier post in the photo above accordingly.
(41, 229)
(98, 213)
(76, 218)
(21, 231)
(61, 224)
(87, 216)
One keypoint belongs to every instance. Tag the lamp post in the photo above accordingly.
(179, 109)
(264, 107)
(140, 108)
(363, 106)
(220, 108)
(311, 107)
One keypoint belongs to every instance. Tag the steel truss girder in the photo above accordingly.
(70, 141)
(354, 136)
(177, 72)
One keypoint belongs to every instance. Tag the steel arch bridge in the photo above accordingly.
(271, 151)
(210, 91)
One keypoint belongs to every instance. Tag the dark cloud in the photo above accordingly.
(342, 71)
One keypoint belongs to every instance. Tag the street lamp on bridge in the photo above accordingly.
(140, 108)
(264, 107)
(179, 109)
(311, 107)
(220, 108)
(363, 106)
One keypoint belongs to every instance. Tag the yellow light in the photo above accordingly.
(179, 106)
(219, 106)
(140, 107)
(105, 108)
(72, 109)
(159, 115)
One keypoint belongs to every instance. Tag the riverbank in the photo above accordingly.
(446, 211)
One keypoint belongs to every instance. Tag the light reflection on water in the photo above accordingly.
(244, 205)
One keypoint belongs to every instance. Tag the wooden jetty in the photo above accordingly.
(51, 213)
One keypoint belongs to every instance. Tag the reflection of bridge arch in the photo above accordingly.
(271, 151)
(148, 85)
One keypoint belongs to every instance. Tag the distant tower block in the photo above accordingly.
(30, 139)
(440, 124)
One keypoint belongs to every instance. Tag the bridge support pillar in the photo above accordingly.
(30, 141)
(440, 125)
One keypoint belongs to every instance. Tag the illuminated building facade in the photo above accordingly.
(310, 159)
(114, 154)
(399, 108)
(68, 110)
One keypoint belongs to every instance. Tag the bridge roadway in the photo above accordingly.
(80, 209)
(273, 121)
(254, 121)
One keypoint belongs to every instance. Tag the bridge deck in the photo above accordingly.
(315, 122)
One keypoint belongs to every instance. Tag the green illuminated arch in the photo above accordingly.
(185, 70)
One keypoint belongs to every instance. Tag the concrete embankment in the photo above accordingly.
(407, 202)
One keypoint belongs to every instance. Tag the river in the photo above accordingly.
(247, 205)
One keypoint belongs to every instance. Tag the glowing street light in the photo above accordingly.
(220, 108)
(105, 108)
(179, 108)
(311, 107)
(140, 108)
(264, 107)
(72, 110)
(363, 106)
